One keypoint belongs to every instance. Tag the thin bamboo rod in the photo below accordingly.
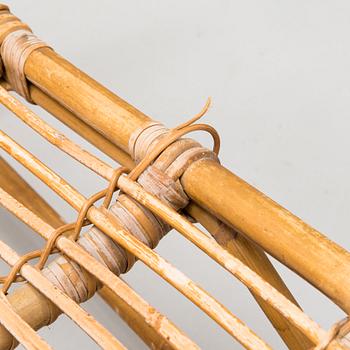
(151, 326)
(170, 216)
(13, 183)
(255, 258)
(85, 321)
(153, 320)
(293, 337)
(100, 218)
(19, 328)
(302, 248)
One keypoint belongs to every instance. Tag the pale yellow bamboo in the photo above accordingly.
(153, 319)
(85, 321)
(117, 121)
(241, 247)
(19, 328)
(100, 218)
(233, 265)
(151, 326)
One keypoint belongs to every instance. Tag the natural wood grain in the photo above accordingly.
(117, 120)
(247, 251)
(154, 328)
(101, 219)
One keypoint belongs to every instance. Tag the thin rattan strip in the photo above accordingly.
(50, 246)
(15, 49)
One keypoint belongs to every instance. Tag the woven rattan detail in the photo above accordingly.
(15, 50)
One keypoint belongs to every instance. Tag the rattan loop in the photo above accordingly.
(112, 187)
(82, 220)
(50, 244)
(17, 267)
(173, 135)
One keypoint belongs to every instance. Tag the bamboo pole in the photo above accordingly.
(302, 248)
(102, 169)
(85, 321)
(101, 219)
(240, 247)
(320, 278)
(13, 183)
(255, 258)
(163, 332)
(19, 328)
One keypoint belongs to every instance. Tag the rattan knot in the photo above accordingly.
(16, 48)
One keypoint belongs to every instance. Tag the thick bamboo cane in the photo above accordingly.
(102, 220)
(241, 247)
(152, 327)
(279, 232)
(101, 168)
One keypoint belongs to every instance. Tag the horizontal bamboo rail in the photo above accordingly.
(241, 247)
(152, 327)
(254, 215)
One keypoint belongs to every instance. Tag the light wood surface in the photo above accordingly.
(246, 250)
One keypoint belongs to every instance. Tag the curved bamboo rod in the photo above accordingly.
(250, 254)
(85, 321)
(100, 218)
(136, 312)
(19, 328)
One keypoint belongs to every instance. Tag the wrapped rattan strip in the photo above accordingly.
(15, 50)
(239, 246)
(227, 257)
(168, 331)
(101, 218)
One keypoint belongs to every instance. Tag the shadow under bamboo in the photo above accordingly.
(250, 254)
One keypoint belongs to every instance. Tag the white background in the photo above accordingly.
(278, 73)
